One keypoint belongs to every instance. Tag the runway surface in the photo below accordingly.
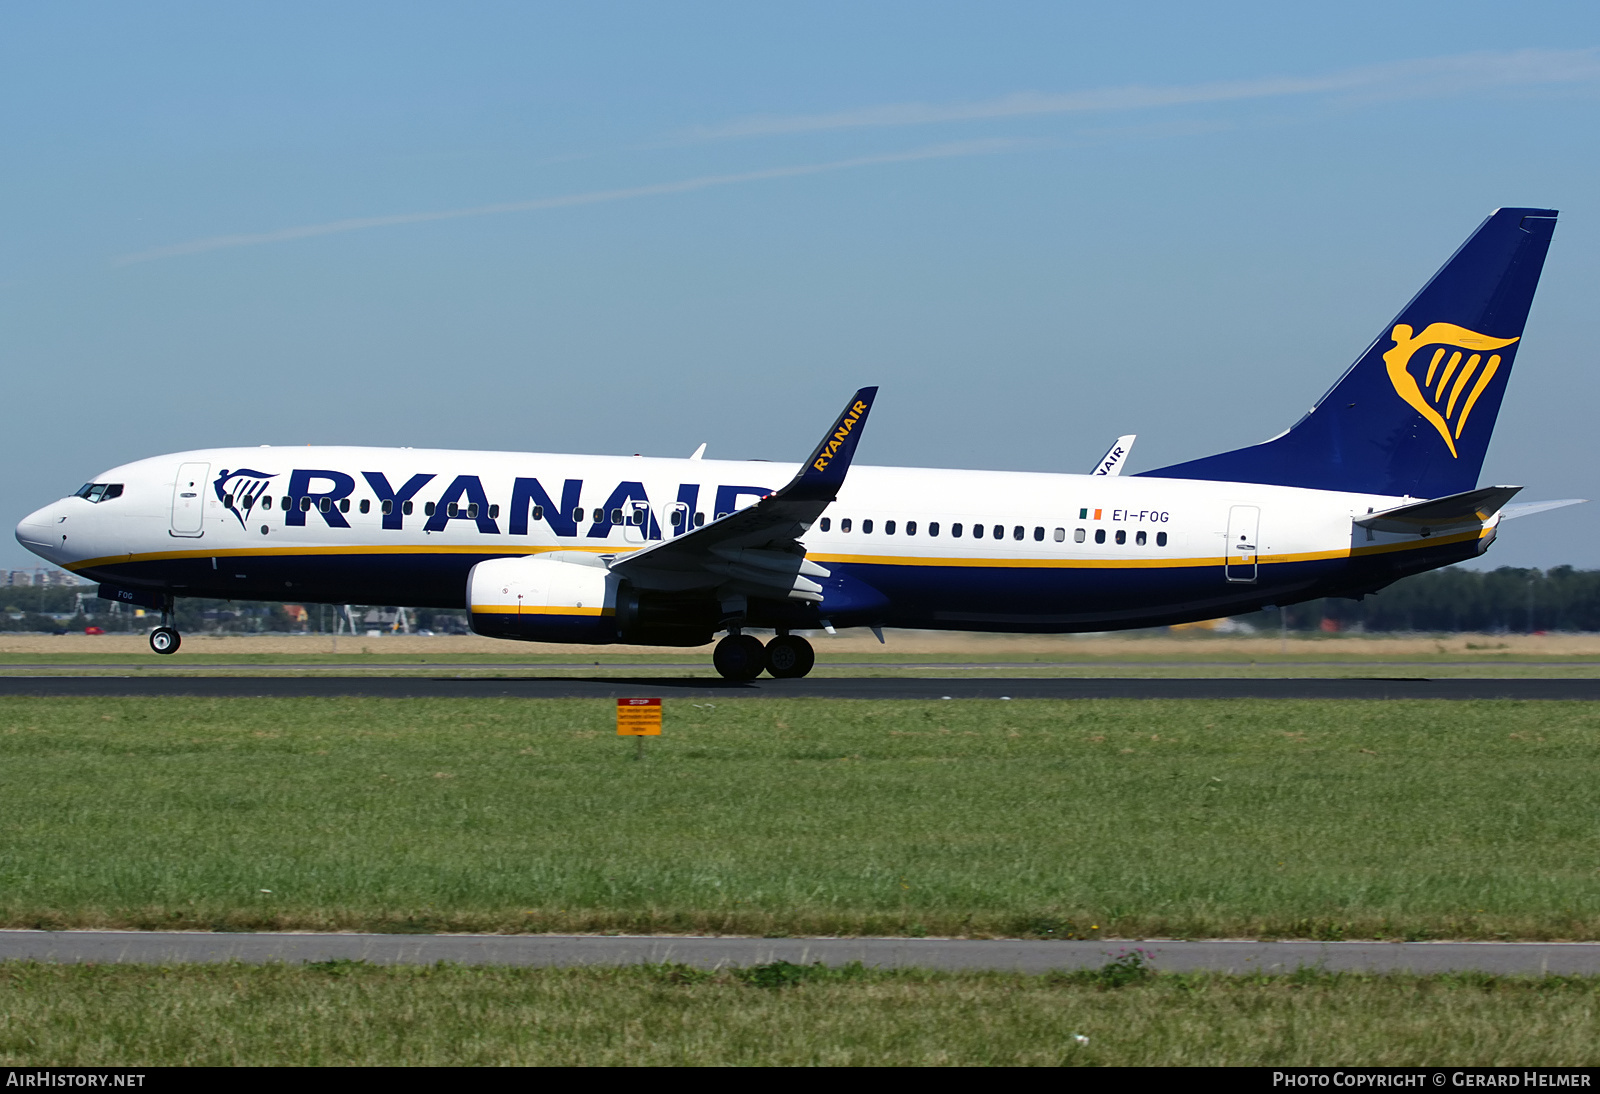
(879, 687)
(176, 947)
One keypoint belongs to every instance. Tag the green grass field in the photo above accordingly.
(1044, 819)
(343, 1013)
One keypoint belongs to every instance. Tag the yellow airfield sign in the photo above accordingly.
(638, 717)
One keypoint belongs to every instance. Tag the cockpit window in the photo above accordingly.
(100, 491)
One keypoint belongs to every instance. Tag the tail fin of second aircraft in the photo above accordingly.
(1413, 415)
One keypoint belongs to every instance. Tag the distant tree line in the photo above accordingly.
(1507, 600)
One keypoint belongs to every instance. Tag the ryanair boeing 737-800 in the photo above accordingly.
(1378, 480)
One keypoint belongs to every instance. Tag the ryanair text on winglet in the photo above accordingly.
(840, 435)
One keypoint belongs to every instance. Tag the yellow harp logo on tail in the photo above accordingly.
(1449, 389)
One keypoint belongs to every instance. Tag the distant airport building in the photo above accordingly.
(28, 578)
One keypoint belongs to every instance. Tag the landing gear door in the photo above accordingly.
(188, 500)
(1239, 563)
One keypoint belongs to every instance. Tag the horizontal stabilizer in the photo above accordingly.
(1528, 508)
(1470, 509)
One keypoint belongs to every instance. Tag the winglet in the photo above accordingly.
(1117, 455)
(825, 468)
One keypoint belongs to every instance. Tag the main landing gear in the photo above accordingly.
(743, 657)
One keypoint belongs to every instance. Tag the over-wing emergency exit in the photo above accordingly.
(1377, 481)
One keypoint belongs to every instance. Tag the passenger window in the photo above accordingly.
(844, 525)
(1000, 532)
(305, 503)
(955, 531)
(636, 518)
(408, 507)
(472, 510)
(1038, 534)
(1019, 531)
(933, 527)
(911, 527)
(325, 505)
(1138, 538)
(494, 512)
(616, 516)
(538, 512)
(266, 502)
(866, 527)
(676, 518)
(977, 531)
(577, 515)
(888, 528)
(1061, 535)
(366, 505)
(699, 519)
(285, 502)
(1099, 535)
(721, 515)
(429, 509)
(1077, 535)
(826, 524)
(388, 506)
(1161, 539)
(1122, 535)
(227, 499)
(452, 510)
(600, 516)
(344, 505)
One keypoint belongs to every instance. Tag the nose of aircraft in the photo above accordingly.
(43, 532)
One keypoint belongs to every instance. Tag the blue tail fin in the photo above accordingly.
(1413, 415)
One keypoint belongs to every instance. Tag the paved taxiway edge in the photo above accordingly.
(896, 687)
(1003, 955)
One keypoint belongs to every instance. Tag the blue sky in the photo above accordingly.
(636, 227)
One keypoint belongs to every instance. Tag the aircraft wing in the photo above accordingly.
(754, 551)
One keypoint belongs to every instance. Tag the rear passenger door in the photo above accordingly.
(1239, 563)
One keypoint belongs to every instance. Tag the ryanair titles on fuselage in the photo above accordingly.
(325, 492)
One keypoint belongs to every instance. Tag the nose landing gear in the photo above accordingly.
(165, 638)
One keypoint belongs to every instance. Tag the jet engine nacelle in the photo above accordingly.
(543, 599)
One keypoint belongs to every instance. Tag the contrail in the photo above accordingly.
(1429, 76)
(596, 197)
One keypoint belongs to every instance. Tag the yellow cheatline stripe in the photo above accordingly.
(512, 609)
(284, 552)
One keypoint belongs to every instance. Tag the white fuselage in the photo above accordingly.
(1054, 551)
